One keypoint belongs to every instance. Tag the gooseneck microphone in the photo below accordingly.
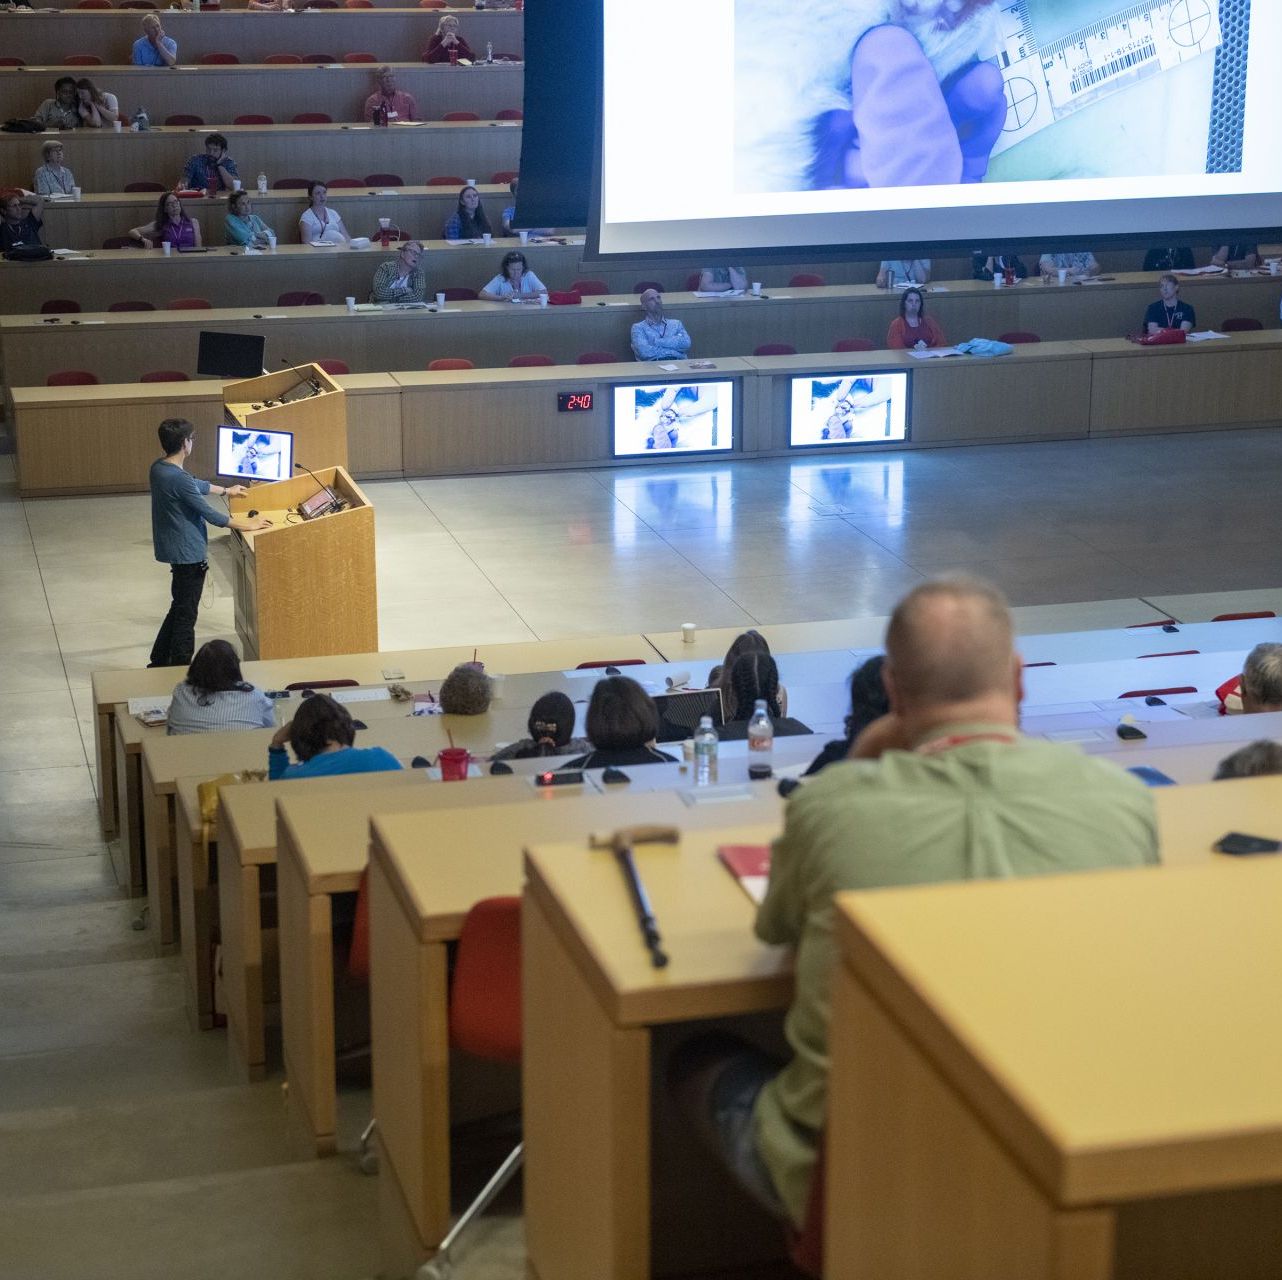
(312, 381)
(306, 509)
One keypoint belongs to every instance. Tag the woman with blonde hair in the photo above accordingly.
(447, 45)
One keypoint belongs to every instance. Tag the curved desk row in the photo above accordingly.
(221, 93)
(102, 439)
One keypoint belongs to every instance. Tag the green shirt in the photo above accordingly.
(962, 810)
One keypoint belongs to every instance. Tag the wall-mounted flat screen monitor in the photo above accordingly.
(230, 355)
(849, 408)
(250, 454)
(673, 417)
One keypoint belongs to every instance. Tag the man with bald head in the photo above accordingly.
(944, 787)
(656, 337)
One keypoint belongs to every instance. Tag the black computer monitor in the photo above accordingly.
(230, 355)
(681, 711)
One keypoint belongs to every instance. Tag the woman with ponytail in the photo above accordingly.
(551, 725)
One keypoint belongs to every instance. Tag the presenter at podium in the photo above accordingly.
(178, 518)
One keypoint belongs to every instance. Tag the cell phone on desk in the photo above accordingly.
(1242, 845)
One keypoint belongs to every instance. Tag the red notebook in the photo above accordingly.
(749, 864)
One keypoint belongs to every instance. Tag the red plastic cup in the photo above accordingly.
(454, 762)
(453, 56)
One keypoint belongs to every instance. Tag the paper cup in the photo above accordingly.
(525, 236)
(351, 304)
(469, 182)
(998, 281)
(687, 632)
(756, 288)
(1275, 268)
(271, 239)
(543, 299)
(440, 301)
(116, 126)
(486, 237)
(166, 248)
(1063, 275)
(75, 193)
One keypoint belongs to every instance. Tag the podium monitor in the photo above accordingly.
(249, 454)
(230, 355)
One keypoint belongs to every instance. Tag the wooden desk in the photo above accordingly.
(1190, 820)
(1106, 1107)
(466, 148)
(587, 1112)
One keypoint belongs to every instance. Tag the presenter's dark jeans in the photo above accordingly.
(176, 639)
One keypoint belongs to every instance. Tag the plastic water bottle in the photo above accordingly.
(262, 184)
(761, 736)
(705, 753)
(489, 51)
(142, 121)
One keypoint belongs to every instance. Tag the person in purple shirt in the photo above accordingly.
(153, 48)
(321, 734)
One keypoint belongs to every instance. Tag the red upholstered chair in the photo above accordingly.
(529, 362)
(1156, 622)
(131, 305)
(642, 285)
(610, 662)
(1017, 336)
(94, 4)
(82, 60)
(349, 184)
(72, 378)
(136, 4)
(599, 357)
(219, 60)
(1157, 693)
(320, 4)
(253, 119)
(59, 306)
(178, 120)
(359, 57)
(460, 115)
(590, 288)
(692, 281)
(854, 344)
(312, 117)
(1171, 653)
(320, 59)
(384, 180)
(775, 349)
(806, 280)
(18, 62)
(1240, 324)
(444, 180)
(446, 363)
(509, 113)
(291, 184)
(282, 59)
(165, 375)
(334, 367)
(322, 684)
(144, 186)
(300, 298)
(459, 293)
(189, 304)
(503, 177)
(1239, 617)
(358, 4)
(433, 4)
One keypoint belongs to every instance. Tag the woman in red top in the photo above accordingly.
(446, 41)
(913, 327)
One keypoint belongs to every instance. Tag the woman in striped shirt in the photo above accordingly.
(214, 696)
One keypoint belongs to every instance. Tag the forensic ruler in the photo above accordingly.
(1047, 81)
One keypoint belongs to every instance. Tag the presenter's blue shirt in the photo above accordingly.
(179, 514)
(145, 54)
(331, 763)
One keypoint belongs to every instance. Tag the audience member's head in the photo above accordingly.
(472, 219)
(1251, 761)
(466, 691)
(551, 725)
(1168, 286)
(621, 715)
(753, 677)
(386, 80)
(319, 724)
(52, 152)
(317, 192)
(64, 91)
(169, 209)
(652, 304)
(409, 254)
(215, 146)
(89, 92)
(447, 25)
(151, 26)
(175, 435)
(1262, 679)
(912, 302)
(868, 699)
(750, 641)
(513, 266)
(950, 653)
(215, 669)
(238, 204)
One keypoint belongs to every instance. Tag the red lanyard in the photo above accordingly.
(937, 745)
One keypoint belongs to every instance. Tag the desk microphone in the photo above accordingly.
(312, 381)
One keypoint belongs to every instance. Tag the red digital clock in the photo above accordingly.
(574, 401)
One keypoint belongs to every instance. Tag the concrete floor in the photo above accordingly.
(126, 1148)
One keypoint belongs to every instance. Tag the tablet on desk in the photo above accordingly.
(192, 248)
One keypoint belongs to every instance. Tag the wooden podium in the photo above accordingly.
(305, 588)
(319, 422)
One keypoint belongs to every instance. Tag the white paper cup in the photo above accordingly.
(116, 126)
(469, 182)
(235, 184)
(687, 632)
(543, 299)
(271, 239)
(384, 224)
(998, 280)
(440, 301)
(75, 193)
(525, 236)
(486, 237)
(1063, 275)
(1275, 268)
(756, 288)
(351, 304)
(166, 248)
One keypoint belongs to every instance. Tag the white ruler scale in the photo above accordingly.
(1046, 82)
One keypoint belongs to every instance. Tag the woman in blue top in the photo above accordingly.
(322, 734)
(468, 221)
(243, 225)
(514, 282)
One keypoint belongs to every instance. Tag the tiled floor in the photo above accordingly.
(122, 1126)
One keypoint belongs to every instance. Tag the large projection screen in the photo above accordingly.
(875, 125)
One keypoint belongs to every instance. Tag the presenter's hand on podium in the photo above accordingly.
(243, 524)
(236, 491)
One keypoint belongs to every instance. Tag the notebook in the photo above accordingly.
(750, 865)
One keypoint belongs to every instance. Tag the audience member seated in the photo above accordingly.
(904, 270)
(722, 280)
(1254, 760)
(1080, 266)
(171, 225)
(96, 107)
(269, 6)
(868, 702)
(153, 48)
(551, 728)
(1237, 257)
(656, 337)
(468, 221)
(750, 641)
(984, 266)
(755, 678)
(1262, 679)
(1169, 258)
(401, 279)
(515, 281)
(53, 177)
(215, 168)
(1169, 311)
(622, 725)
(21, 219)
(944, 788)
(400, 105)
(447, 44)
(59, 112)
(508, 222)
(321, 734)
(466, 691)
(912, 328)
(243, 226)
(216, 696)
(319, 224)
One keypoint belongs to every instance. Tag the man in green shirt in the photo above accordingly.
(942, 788)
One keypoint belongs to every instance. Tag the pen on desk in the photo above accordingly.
(621, 843)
